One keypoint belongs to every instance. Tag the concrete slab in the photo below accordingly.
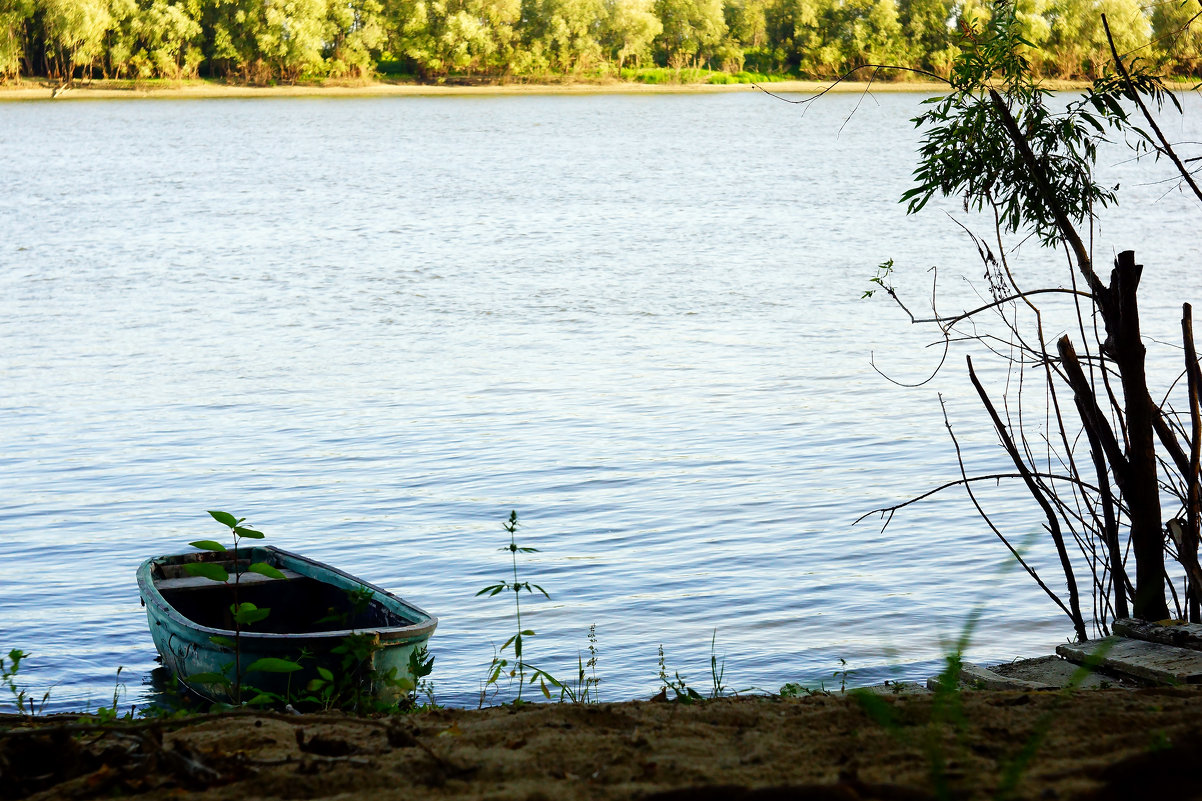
(1162, 664)
(1059, 673)
(1042, 673)
(895, 688)
(975, 677)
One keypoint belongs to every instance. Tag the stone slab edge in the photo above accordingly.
(1163, 664)
(975, 677)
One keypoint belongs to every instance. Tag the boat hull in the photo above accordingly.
(186, 614)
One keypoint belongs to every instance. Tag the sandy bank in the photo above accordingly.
(106, 90)
(1094, 744)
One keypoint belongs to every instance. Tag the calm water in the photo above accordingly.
(374, 326)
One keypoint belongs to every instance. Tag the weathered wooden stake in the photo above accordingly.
(1188, 548)
(1120, 313)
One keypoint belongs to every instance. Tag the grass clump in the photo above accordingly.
(21, 699)
(516, 667)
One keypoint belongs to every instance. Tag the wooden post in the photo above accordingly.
(1120, 312)
(1193, 501)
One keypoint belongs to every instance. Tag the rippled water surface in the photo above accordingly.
(374, 326)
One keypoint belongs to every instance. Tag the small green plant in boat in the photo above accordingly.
(243, 613)
(351, 687)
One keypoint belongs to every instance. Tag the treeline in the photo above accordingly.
(259, 41)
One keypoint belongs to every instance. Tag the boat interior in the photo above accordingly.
(298, 604)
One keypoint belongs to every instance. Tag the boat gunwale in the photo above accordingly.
(389, 635)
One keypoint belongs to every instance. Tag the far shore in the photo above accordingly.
(34, 89)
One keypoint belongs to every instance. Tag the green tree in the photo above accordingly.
(1078, 41)
(630, 28)
(407, 24)
(443, 36)
(230, 27)
(1031, 23)
(867, 32)
(693, 30)
(120, 39)
(747, 22)
(13, 17)
(357, 30)
(563, 35)
(169, 36)
(264, 40)
(292, 36)
(75, 32)
(1179, 42)
(804, 33)
(926, 26)
(467, 42)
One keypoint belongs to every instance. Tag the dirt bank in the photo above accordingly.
(1099, 744)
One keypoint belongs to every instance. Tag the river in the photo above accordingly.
(375, 326)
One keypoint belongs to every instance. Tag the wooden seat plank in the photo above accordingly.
(200, 582)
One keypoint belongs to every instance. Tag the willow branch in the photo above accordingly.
(1167, 149)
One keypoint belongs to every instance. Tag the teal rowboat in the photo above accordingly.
(311, 614)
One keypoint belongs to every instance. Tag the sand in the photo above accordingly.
(1092, 744)
(110, 90)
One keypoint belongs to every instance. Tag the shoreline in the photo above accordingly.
(32, 90)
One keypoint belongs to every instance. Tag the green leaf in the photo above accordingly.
(264, 569)
(208, 545)
(208, 570)
(325, 673)
(209, 678)
(249, 533)
(224, 518)
(250, 618)
(247, 613)
(224, 642)
(269, 664)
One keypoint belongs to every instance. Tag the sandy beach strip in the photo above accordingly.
(122, 90)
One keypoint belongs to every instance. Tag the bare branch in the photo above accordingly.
(1038, 494)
